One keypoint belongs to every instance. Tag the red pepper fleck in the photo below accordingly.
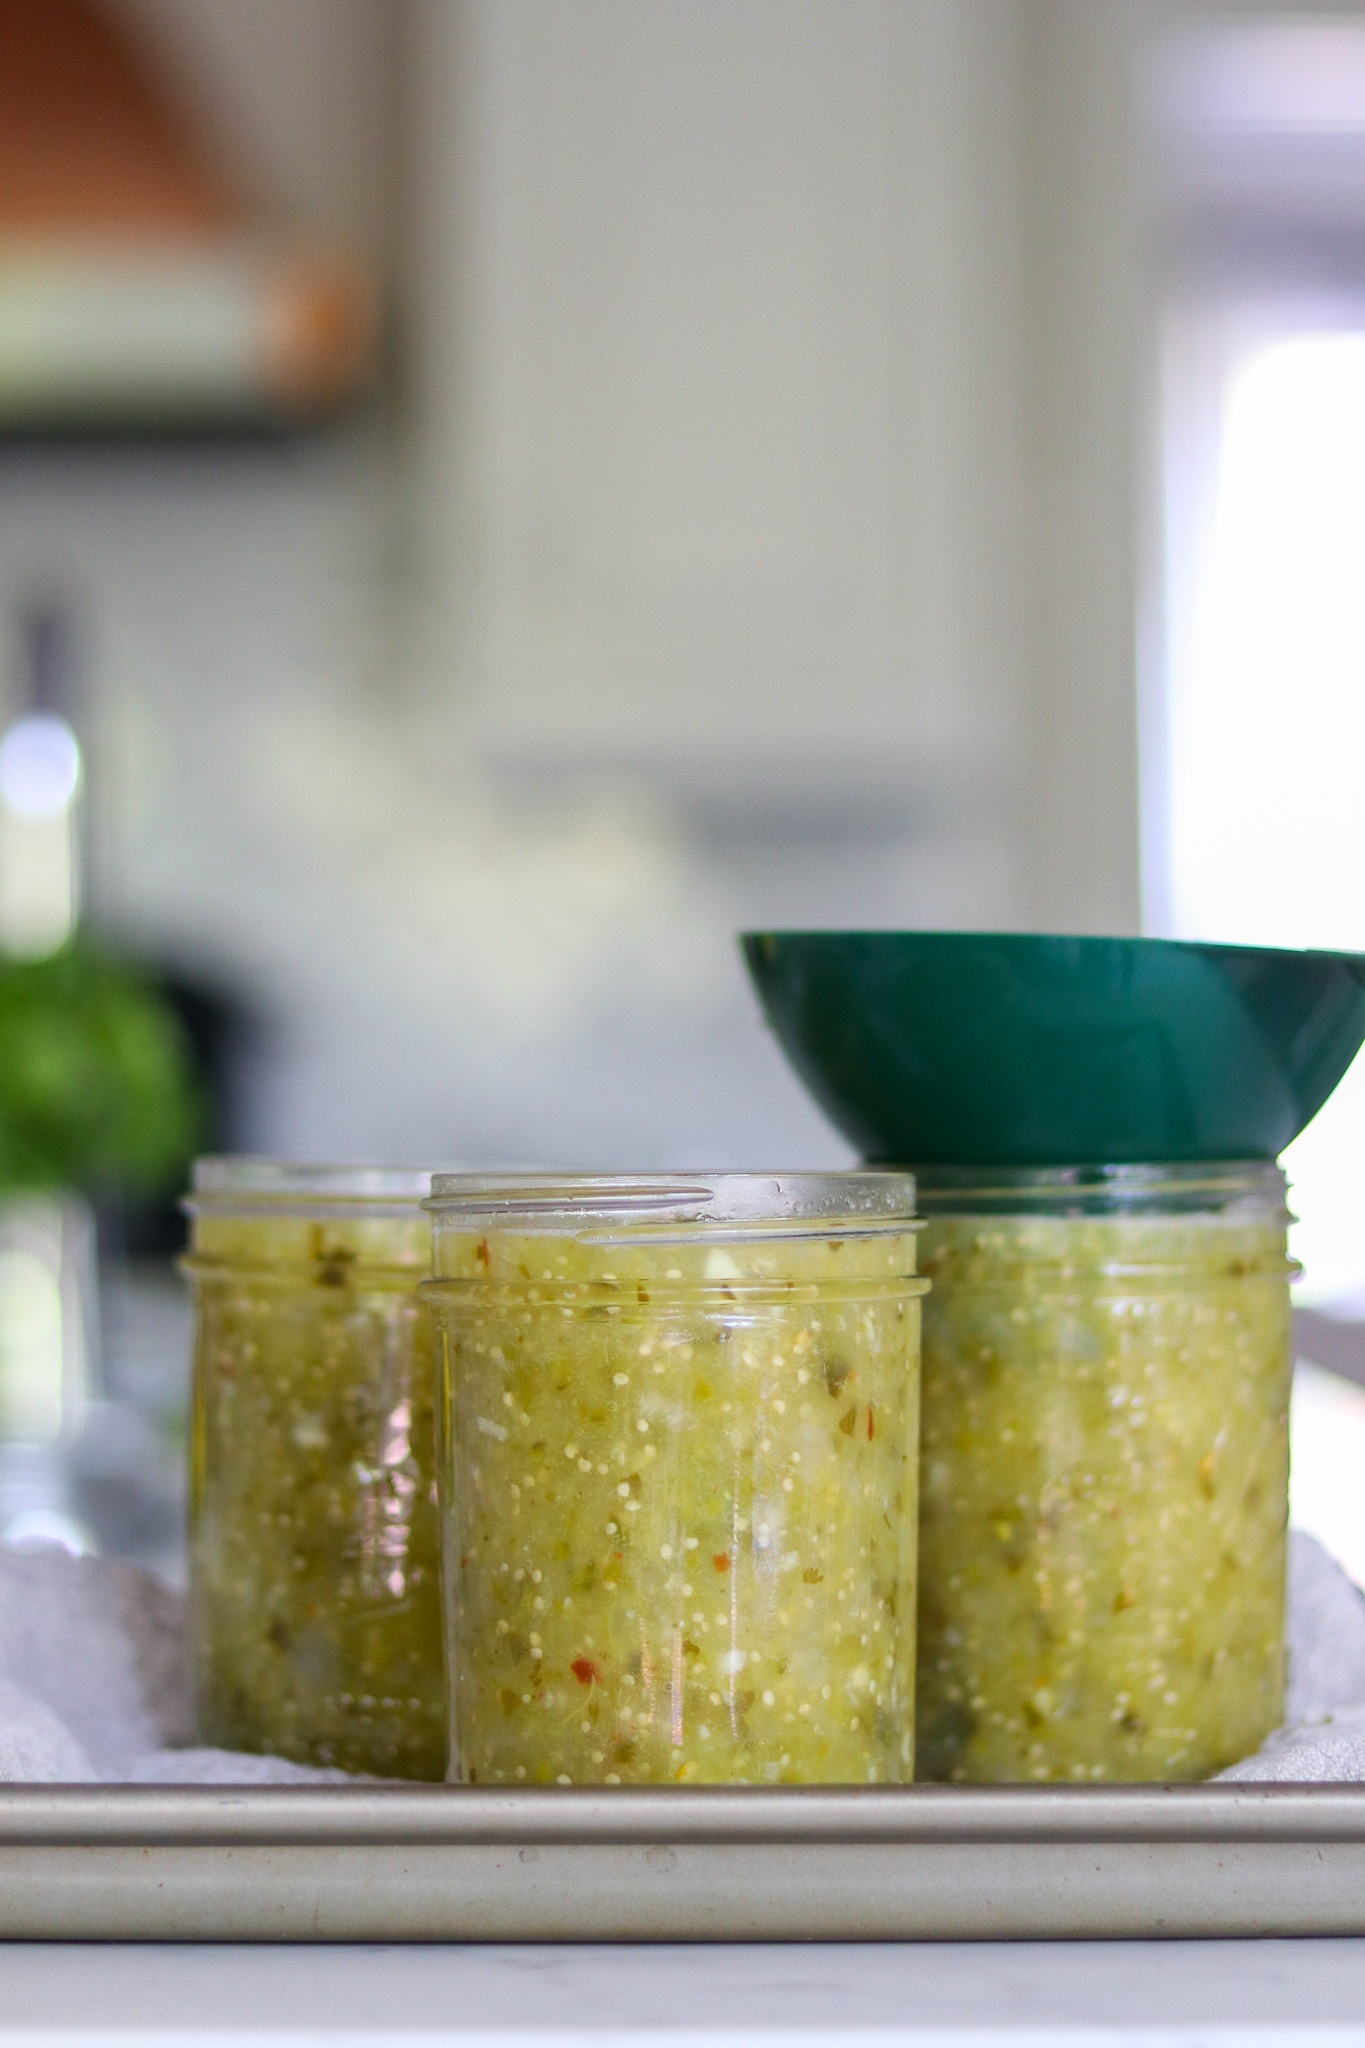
(482, 1254)
(584, 1670)
(721, 1560)
(871, 1432)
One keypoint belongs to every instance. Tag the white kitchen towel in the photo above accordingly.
(94, 1680)
(1323, 1737)
(35, 1748)
(226, 1767)
(101, 1645)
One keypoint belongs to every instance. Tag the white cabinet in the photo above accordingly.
(717, 363)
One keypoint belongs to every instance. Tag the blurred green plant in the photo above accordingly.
(98, 1083)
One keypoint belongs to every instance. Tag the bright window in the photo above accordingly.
(1265, 710)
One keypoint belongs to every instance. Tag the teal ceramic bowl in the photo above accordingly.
(1008, 1049)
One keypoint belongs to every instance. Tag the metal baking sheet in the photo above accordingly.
(452, 1863)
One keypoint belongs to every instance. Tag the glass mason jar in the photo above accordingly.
(1104, 1470)
(314, 1531)
(679, 1476)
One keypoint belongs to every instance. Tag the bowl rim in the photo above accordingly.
(1135, 940)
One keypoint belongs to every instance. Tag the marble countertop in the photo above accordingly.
(1186, 1993)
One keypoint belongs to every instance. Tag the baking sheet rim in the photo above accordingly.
(385, 1863)
(425, 1814)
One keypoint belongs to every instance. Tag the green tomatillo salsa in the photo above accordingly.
(1104, 1475)
(680, 1479)
(315, 1538)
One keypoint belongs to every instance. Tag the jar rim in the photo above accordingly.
(855, 1201)
(1154, 1186)
(243, 1183)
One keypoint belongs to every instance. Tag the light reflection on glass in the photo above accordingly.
(31, 1354)
(40, 779)
(386, 1514)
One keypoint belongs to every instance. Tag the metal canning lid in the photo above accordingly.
(246, 1186)
(694, 1205)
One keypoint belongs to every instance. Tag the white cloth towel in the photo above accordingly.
(94, 1680)
(1323, 1737)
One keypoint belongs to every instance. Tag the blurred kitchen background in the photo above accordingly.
(497, 495)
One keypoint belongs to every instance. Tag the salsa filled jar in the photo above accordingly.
(1104, 1471)
(679, 1421)
(314, 1531)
